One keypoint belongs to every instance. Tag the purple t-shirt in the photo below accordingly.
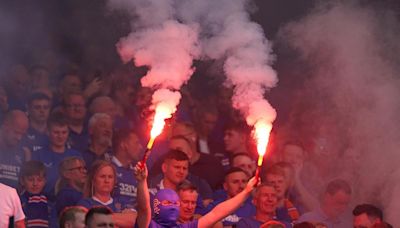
(253, 223)
(193, 224)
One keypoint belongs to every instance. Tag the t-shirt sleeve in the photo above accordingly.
(18, 212)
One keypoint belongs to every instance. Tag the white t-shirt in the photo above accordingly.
(10, 205)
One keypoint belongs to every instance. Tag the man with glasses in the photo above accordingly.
(69, 187)
(74, 108)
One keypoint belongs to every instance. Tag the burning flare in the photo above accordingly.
(162, 113)
(262, 129)
(165, 102)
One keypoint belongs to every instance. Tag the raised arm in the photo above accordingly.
(227, 207)
(143, 196)
(125, 219)
(305, 197)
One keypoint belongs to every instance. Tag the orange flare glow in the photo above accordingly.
(162, 113)
(262, 130)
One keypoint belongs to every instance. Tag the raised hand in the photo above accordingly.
(140, 171)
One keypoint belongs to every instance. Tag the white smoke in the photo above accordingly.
(225, 31)
(166, 46)
(350, 50)
(228, 33)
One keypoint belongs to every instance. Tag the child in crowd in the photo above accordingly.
(38, 210)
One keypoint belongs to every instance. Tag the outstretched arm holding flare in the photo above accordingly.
(227, 207)
(143, 197)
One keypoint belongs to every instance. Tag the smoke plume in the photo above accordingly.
(352, 91)
(228, 33)
(166, 46)
(168, 42)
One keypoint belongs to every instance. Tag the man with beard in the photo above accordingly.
(127, 149)
(69, 187)
(12, 155)
(100, 132)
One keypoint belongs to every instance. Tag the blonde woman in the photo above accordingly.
(98, 192)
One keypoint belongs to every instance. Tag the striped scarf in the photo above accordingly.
(36, 209)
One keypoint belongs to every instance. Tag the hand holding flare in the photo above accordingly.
(262, 130)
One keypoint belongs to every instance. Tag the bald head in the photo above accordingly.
(14, 127)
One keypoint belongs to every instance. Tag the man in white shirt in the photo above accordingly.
(10, 207)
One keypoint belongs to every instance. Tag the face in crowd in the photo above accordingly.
(188, 202)
(58, 135)
(245, 163)
(14, 128)
(134, 147)
(76, 172)
(207, 122)
(294, 155)
(75, 107)
(102, 130)
(335, 204)
(234, 140)
(235, 183)
(101, 221)
(175, 171)
(34, 184)
(280, 184)
(39, 110)
(182, 145)
(71, 83)
(265, 200)
(104, 180)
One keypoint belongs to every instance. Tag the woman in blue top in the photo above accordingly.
(99, 186)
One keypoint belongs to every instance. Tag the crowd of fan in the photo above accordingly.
(72, 149)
